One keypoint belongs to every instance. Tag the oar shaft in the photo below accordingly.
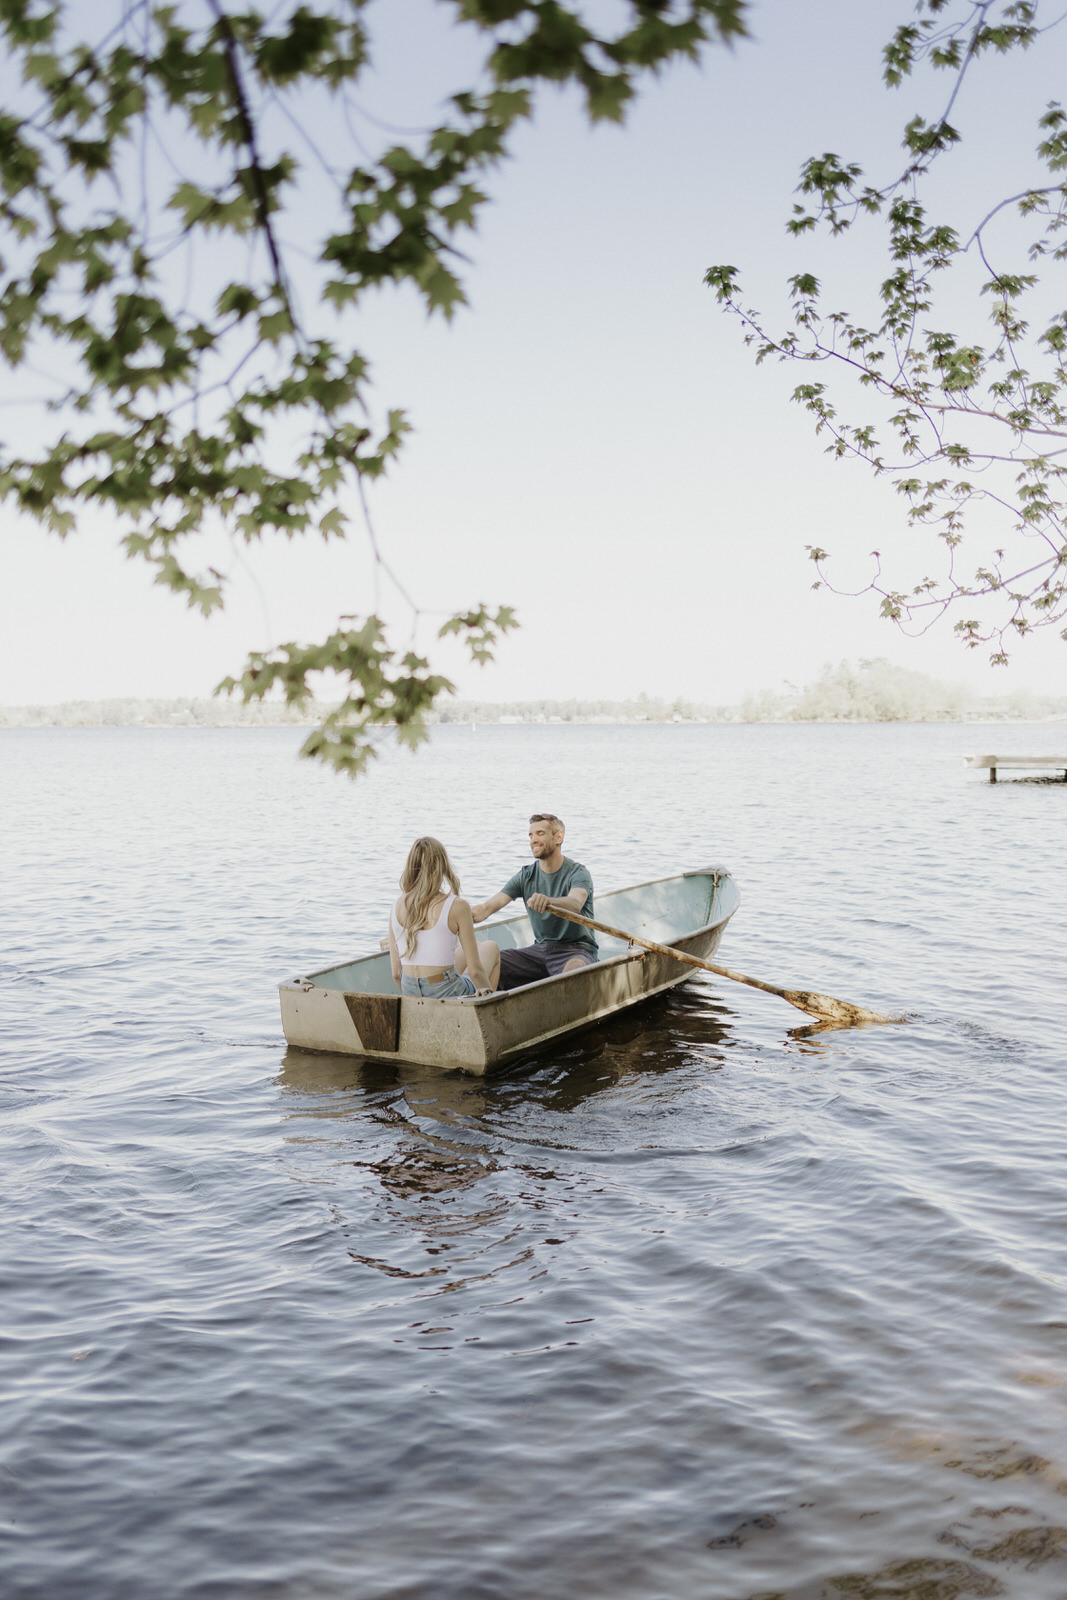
(668, 950)
(823, 1006)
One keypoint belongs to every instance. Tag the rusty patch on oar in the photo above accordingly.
(377, 1019)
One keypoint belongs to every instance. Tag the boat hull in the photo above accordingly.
(351, 1010)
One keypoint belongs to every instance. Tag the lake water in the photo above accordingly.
(701, 1305)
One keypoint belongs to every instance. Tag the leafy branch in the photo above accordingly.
(969, 425)
(185, 401)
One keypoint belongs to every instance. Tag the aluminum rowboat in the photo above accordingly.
(354, 1008)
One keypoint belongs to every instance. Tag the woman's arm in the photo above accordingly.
(394, 956)
(461, 924)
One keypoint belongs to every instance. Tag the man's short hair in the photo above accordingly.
(548, 816)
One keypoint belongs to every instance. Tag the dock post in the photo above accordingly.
(992, 774)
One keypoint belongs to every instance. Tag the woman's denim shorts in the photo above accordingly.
(453, 986)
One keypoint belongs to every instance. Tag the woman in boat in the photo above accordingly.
(424, 926)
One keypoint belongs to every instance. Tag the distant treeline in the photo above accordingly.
(873, 691)
(878, 691)
(157, 714)
(642, 709)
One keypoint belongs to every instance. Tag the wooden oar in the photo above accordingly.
(823, 1006)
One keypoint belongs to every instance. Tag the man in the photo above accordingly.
(550, 880)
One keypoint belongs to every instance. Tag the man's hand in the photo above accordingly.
(571, 902)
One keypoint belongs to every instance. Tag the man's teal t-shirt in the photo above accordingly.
(547, 928)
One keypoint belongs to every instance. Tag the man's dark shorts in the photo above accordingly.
(537, 961)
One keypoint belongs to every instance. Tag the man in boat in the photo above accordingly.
(551, 879)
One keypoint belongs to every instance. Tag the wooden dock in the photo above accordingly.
(1034, 763)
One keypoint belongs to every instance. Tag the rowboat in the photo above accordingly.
(354, 1008)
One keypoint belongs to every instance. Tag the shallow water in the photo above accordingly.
(704, 1304)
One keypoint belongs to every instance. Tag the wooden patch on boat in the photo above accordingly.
(377, 1019)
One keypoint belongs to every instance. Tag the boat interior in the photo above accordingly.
(665, 910)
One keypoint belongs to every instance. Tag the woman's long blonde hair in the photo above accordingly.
(425, 869)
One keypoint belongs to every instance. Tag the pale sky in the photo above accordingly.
(593, 444)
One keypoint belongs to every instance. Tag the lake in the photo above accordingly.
(703, 1304)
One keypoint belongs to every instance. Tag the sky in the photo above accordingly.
(593, 444)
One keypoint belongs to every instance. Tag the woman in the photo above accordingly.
(424, 925)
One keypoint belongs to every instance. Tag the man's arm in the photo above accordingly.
(495, 902)
(574, 901)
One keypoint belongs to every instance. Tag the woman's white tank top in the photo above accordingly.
(434, 947)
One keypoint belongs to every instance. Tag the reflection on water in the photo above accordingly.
(709, 1303)
(443, 1129)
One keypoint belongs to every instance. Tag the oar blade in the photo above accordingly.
(827, 1009)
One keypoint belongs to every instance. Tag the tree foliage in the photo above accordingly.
(177, 406)
(973, 425)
